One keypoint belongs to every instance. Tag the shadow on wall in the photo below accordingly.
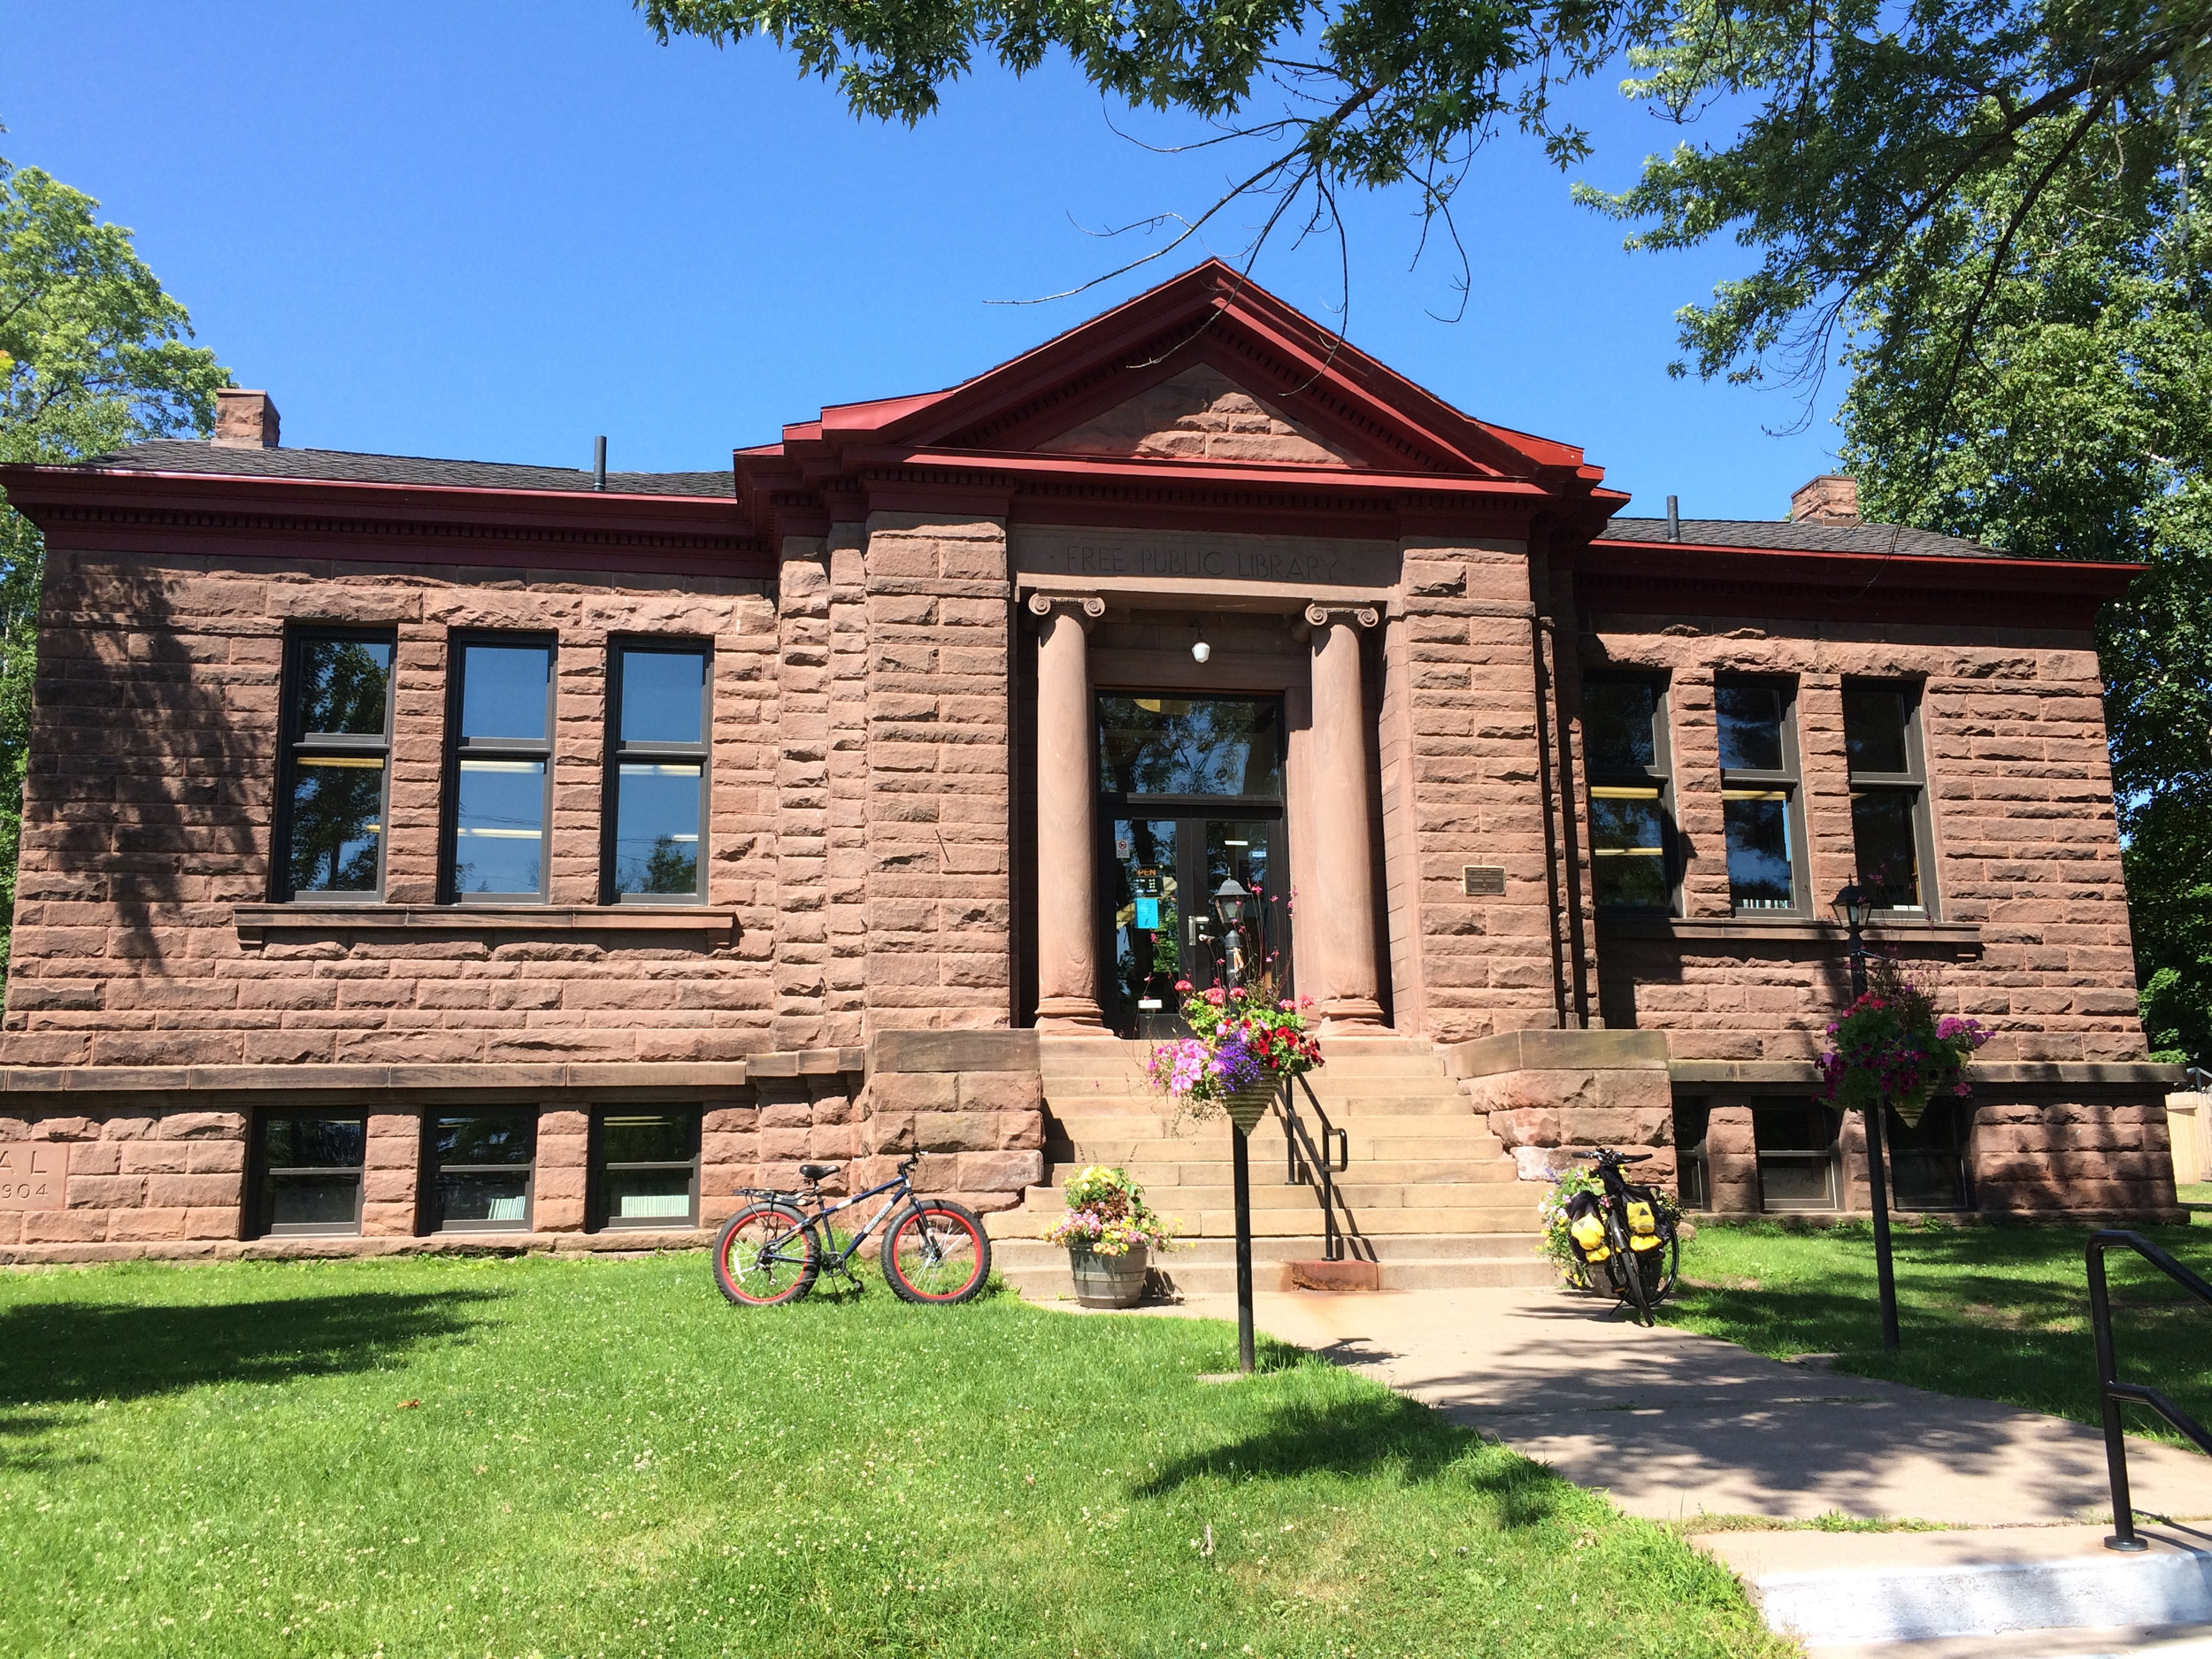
(67, 1351)
(142, 767)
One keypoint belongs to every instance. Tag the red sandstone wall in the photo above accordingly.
(1465, 788)
(2025, 844)
(147, 815)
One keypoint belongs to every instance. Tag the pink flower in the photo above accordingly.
(1214, 996)
(1289, 1006)
(1183, 986)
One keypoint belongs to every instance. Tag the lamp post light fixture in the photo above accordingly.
(1854, 908)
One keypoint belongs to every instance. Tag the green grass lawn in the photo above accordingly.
(1997, 1312)
(517, 1457)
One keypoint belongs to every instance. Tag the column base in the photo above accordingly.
(1070, 1013)
(1351, 1013)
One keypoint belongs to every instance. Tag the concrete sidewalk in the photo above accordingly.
(1674, 1426)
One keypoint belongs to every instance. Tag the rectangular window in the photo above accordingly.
(657, 718)
(1927, 1162)
(500, 765)
(1890, 833)
(336, 765)
(310, 1172)
(1761, 813)
(646, 1169)
(477, 1167)
(1796, 1145)
(1694, 1167)
(1624, 744)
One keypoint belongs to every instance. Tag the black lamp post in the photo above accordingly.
(1854, 907)
(1229, 901)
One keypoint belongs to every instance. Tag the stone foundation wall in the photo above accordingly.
(1546, 1093)
(146, 1177)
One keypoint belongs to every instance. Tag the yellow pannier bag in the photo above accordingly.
(1589, 1233)
(1640, 1220)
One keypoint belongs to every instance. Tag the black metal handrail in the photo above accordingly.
(1303, 1159)
(2111, 1390)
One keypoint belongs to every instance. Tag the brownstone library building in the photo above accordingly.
(424, 853)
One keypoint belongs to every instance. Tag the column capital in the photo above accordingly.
(1086, 609)
(1319, 616)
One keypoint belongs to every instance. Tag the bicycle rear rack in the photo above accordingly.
(2111, 1390)
(1304, 1160)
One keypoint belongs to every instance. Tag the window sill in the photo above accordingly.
(1719, 930)
(255, 923)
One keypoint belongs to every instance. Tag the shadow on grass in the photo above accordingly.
(1376, 1433)
(53, 1353)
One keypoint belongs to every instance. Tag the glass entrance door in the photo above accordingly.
(1191, 799)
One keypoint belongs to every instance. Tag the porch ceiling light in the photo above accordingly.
(1229, 899)
(1199, 651)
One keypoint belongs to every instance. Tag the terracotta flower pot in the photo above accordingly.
(1108, 1282)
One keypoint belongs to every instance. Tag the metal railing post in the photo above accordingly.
(2111, 1390)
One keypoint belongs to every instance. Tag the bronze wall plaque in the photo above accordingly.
(1483, 880)
(33, 1173)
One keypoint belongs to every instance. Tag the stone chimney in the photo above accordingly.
(1831, 498)
(245, 420)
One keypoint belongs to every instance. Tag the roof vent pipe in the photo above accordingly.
(1674, 517)
(599, 462)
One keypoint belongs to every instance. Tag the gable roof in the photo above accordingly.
(1799, 537)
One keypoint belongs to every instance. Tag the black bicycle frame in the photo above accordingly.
(832, 1259)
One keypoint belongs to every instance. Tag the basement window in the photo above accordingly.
(645, 1168)
(309, 1169)
(478, 1167)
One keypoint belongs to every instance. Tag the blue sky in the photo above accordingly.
(493, 231)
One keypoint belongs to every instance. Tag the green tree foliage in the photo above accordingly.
(2080, 424)
(93, 356)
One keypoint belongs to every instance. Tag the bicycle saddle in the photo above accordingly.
(815, 1172)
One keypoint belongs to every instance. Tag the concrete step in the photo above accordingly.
(1129, 1152)
(1356, 1194)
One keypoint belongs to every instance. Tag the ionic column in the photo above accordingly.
(1338, 918)
(1067, 850)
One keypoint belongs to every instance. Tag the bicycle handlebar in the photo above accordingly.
(1604, 1153)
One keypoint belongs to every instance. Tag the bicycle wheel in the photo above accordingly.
(1630, 1273)
(767, 1253)
(1665, 1269)
(937, 1252)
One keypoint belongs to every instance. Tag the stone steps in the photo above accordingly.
(1163, 1178)
(1299, 1221)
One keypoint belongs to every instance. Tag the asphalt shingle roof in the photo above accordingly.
(1800, 538)
(197, 455)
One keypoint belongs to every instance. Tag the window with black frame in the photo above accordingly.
(1890, 831)
(1927, 1160)
(1625, 755)
(656, 758)
(1795, 1142)
(645, 1168)
(308, 1170)
(1761, 813)
(500, 765)
(1693, 1168)
(477, 1167)
(336, 765)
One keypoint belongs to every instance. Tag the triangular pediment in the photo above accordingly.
(1200, 415)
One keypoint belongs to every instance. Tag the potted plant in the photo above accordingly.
(1110, 1233)
(1892, 1047)
(1245, 1040)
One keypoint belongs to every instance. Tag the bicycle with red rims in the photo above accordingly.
(774, 1249)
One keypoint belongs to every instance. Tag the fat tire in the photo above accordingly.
(919, 1216)
(781, 1222)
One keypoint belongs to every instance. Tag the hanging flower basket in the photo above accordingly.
(1246, 1039)
(1892, 1047)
